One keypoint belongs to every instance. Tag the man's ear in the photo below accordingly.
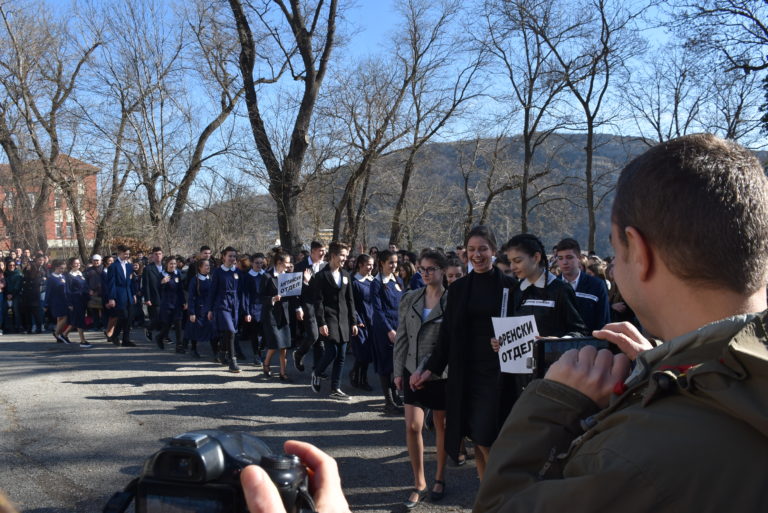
(640, 254)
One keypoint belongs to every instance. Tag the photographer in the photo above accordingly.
(690, 234)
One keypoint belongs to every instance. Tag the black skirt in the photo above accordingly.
(432, 396)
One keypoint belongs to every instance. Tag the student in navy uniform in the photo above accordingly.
(336, 317)
(252, 304)
(57, 300)
(305, 312)
(540, 293)
(150, 286)
(275, 314)
(361, 343)
(223, 304)
(78, 300)
(386, 291)
(119, 296)
(198, 329)
(591, 293)
(172, 304)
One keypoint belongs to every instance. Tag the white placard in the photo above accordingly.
(289, 284)
(516, 336)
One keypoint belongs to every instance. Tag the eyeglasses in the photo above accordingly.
(428, 270)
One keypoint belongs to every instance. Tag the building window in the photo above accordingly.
(59, 230)
(58, 201)
(70, 233)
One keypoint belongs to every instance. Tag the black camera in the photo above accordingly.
(199, 472)
(547, 351)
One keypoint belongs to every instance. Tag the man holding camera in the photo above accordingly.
(687, 430)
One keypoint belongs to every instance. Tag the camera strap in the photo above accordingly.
(120, 501)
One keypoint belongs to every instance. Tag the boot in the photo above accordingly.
(182, 347)
(215, 350)
(390, 408)
(354, 376)
(233, 367)
(363, 380)
(193, 350)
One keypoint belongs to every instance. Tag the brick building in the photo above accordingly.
(57, 219)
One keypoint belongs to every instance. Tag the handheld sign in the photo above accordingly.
(289, 284)
(516, 336)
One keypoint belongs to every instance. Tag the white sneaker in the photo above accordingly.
(340, 395)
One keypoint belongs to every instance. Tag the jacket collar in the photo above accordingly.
(545, 278)
(359, 277)
(418, 305)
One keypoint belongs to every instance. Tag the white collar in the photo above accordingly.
(255, 273)
(574, 283)
(75, 273)
(227, 269)
(202, 277)
(387, 279)
(56, 275)
(541, 283)
(359, 277)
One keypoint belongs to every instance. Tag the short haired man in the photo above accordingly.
(305, 312)
(591, 293)
(686, 430)
(331, 289)
(120, 297)
(150, 285)
(205, 253)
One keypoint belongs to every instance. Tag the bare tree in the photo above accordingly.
(438, 88)
(736, 31)
(42, 63)
(591, 41)
(305, 52)
(529, 66)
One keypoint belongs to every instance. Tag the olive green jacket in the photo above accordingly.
(689, 433)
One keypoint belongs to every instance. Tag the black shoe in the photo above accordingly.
(298, 360)
(148, 335)
(391, 408)
(194, 353)
(128, 343)
(180, 349)
(315, 383)
(397, 399)
(320, 375)
(114, 340)
(420, 494)
(436, 496)
(233, 367)
(65, 339)
(339, 395)
(160, 344)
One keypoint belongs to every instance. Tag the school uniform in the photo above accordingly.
(118, 289)
(385, 293)
(251, 304)
(275, 317)
(361, 343)
(591, 300)
(223, 302)
(57, 295)
(78, 299)
(171, 308)
(553, 303)
(335, 309)
(197, 298)
(150, 285)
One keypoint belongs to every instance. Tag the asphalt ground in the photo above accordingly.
(76, 425)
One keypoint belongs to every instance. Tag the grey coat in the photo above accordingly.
(416, 339)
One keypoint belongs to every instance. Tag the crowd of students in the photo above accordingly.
(422, 322)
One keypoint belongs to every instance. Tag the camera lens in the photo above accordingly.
(182, 466)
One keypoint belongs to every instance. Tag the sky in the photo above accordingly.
(375, 20)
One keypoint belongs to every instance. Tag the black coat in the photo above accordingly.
(452, 350)
(150, 284)
(554, 308)
(334, 305)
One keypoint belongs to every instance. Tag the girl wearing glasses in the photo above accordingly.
(420, 318)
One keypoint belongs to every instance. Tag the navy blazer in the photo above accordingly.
(118, 285)
(592, 302)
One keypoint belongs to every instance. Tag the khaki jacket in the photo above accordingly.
(690, 433)
(416, 339)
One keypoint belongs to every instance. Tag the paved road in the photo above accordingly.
(76, 425)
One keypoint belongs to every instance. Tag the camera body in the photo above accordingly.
(547, 351)
(199, 472)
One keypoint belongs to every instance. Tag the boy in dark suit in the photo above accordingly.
(119, 296)
(591, 292)
(331, 289)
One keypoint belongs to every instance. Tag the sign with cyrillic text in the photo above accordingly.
(516, 336)
(289, 284)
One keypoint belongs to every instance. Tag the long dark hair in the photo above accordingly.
(530, 245)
